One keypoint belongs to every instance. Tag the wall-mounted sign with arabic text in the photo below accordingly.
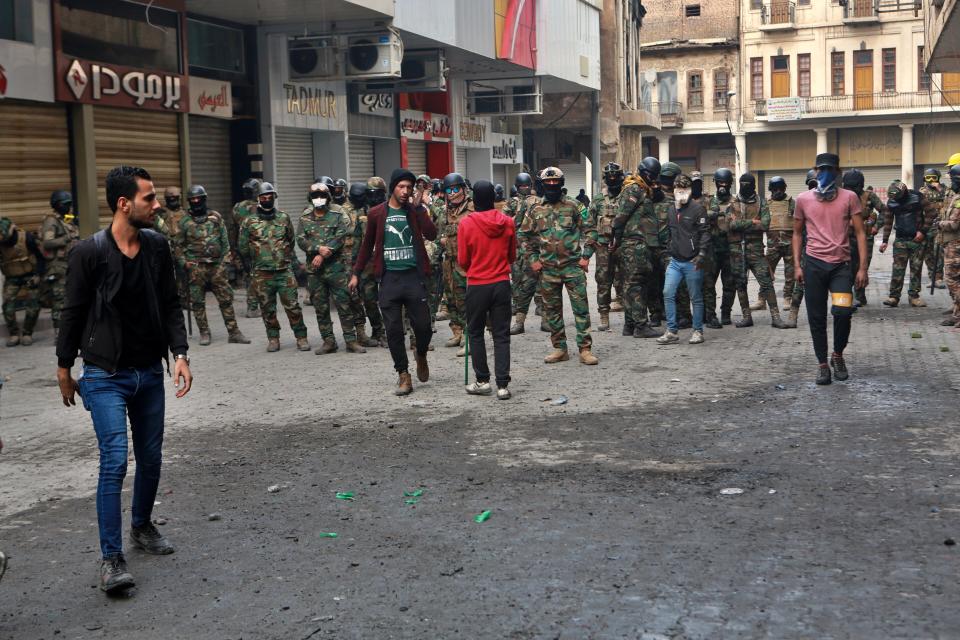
(114, 85)
(420, 125)
(211, 97)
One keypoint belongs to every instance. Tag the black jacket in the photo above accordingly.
(90, 324)
(689, 232)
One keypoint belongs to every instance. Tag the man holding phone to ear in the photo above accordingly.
(122, 313)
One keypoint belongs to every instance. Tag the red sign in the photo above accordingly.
(3, 82)
(114, 85)
(421, 125)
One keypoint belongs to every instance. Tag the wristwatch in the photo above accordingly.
(182, 356)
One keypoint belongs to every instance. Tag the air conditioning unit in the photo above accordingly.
(378, 55)
(314, 58)
(422, 70)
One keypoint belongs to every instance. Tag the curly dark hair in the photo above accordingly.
(122, 182)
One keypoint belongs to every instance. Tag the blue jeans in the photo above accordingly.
(110, 398)
(676, 272)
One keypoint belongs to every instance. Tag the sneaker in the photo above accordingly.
(114, 575)
(503, 393)
(149, 540)
(696, 338)
(479, 389)
(668, 338)
(839, 367)
(823, 375)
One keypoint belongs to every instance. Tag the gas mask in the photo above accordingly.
(748, 190)
(778, 194)
(723, 189)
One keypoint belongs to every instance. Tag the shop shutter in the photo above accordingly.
(293, 149)
(210, 160)
(881, 177)
(417, 156)
(460, 160)
(148, 139)
(796, 181)
(362, 159)
(36, 159)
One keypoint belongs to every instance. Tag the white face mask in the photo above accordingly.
(319, 202)
(682, 196)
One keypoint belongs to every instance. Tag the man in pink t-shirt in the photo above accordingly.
(823, 216)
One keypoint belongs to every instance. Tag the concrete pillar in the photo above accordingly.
(906, 153)
(740, 142)
(664, 150)
(821, 140)
(85, 161)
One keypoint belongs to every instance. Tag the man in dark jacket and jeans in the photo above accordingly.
(689, 248)
(393, 244)
(122, 313)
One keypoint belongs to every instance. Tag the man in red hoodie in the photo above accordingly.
(486, 247)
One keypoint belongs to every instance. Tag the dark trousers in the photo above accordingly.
(493, 301)
(821, 279)
(404, 291)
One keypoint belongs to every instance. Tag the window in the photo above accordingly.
(923, 78)
(803, 75)
(692, 10)
(16, 20)
(756, 78)
(804, 3)
(779, 77)
(836, 74)
(755, 5)
(213, 46)
(889, 70)
(721, 84)
(695, 90)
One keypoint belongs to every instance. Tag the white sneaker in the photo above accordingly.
(668, 338)
(697, 337)
(479, 388)
(503, 394)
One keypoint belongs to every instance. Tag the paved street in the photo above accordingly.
(607, 513)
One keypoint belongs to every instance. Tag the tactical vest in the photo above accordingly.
(16, 260)
(951, 210)
(780, 218)
(62, 229)
(202, 239)
(723, 217)
(745, 211)
(906, 215)
(608, 211)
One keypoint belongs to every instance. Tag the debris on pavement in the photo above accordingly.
(482, 517)
(213, 517)
(344, 495)
(559, 400)
(731, 491)
(327, 534)
(274, 488)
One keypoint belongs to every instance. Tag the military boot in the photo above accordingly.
(205, 338)
(381, 337)
(517, 327)
(759, 305)
(14, 339)
(302, 344)
(645, 331)
(914, 302)
(604, 321)
(746, 320)
(236, 337)
(457, 339)
(725, 318)
(891, 302)
(557, 355)
(543, 325)
(253, 313)
(404, 385)
(442, 313)
(273, 344)
(26, 340)
(775, 321)
(587, 357)
(329, 346)
(713, 322)
(628, 328)
(861, 297)
(363, 338)
(616, 306)
(355, 347)
(791, 322)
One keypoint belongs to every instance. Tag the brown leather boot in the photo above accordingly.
(457, 338)
(604, 321)
(302, 344)
(363, 338)
(404, 385)
(917, 302)
(355, 347)
(273, 344)
(329, 346)
(237, 337)
(557, 355)
(587, 357)
(423, 369)
(759, 305)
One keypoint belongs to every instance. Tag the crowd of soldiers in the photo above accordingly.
(625, 227)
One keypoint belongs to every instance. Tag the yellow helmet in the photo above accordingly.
(954, 159)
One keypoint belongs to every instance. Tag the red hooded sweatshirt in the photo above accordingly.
(486, 246)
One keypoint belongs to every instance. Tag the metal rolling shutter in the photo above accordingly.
(293, 149)
(417, 156)
(157, 147)
(460, 161)
(362, 159)
(210, 160)
(36, 159)
(796, 181)
(880, 178)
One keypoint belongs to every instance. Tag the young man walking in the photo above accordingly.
(823, 216)
(486, 248)
(393, 244)
(122, 313)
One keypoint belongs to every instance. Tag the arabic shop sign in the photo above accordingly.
(420, 125)
(375, 104)
(95, 83)
(472, 132)
(211, 97)
(506, 148)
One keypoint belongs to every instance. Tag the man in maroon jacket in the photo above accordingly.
(402, 268)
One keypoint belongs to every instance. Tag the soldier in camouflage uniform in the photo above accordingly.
(368, 288)
(912, 215)
(266, 241)
(780, 237)
(459, 205)
(934, 192)
(663, 207)
(560, 242)
(204, 248)
(355, 207)
(873, 214)
(525, 281)
(602, 211)
(322, 234)
(246, 208)
(18, 263)
(57, 236)
(167, 222)
(635, 229)
(749, 218)
(949, 229)
(718, 263)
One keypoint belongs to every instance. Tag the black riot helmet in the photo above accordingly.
(748, 187)
(339, 190)
(853, 180)
(811, 180)
(613, 178)
(498, 193)
(524, 183)
(723, 180)
(897, 191)
(954, 174)
(436, 186)
(357, 194)
(327, 180)
(267, 198)
(777, 187)
(197, 199)
(61, 202)
(250, 189)
(538, 186)
(552, 180)
(513, 191)
(453, 185)
(649, 169)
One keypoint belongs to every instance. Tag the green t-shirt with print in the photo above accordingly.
(398, 252)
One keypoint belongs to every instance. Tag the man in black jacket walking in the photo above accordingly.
(122, 313)
(689, 247)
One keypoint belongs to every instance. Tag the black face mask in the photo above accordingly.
(723, 190)
(338, 196)
(552, 192)
(747, 191)
(657, 193)
(375, 197)
(614, 186)
(267, 207)
(63, 208)
(778, 195)
(199, 209)
(172, 203)
(697, 189)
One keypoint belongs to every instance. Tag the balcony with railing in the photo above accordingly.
(778, 15)
(654, 115)
(861, 11)
(869, 103)
(665, 33)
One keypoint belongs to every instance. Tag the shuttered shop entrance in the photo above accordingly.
(35, 149)
(417, 156)
(294, 154)
(147, 139)
(210, 160)
(362, 159)
(460, 160)
(795, 178)
(880, 178)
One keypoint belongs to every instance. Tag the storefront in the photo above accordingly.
(472, 148)
(373, 141)
(506, 151)
(426, 133)
(211, 112)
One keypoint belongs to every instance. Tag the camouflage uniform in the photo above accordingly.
(168, 223)
(525, 281)
(203, 247)
(950, 241)
(934, 261)
(873, 212)
(636, 224)
(718, 264)
(330, 227)
(20, 280)
(57, 239)
(742, 227)
(241, 211)
(907, 253)
(364, 301)
(454, 277)
(557, 235)
(602, 211)
(267, 243)
(780, 243)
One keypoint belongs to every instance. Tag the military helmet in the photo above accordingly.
(811, 179)
(340, 182)
(318, 189)
(748, 178)
(266, 188)
(453, 180)
(696, 176)
(649, 168)
(612, 168)
(499, 193)
(954, 172)
(375, 183)
(552, 173)
(196, 191)
(250, 188)
(723, 175)
(683, 181)
(513, 192)
(171, 192)
(60, 197)
(897, 190)
(7, 229)
(436, 185)
(423, 178)
(776, 182)
(669, 172)
(523, 179)
(358, 190)
(852, 180)
(327, 180)
(931, 175)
